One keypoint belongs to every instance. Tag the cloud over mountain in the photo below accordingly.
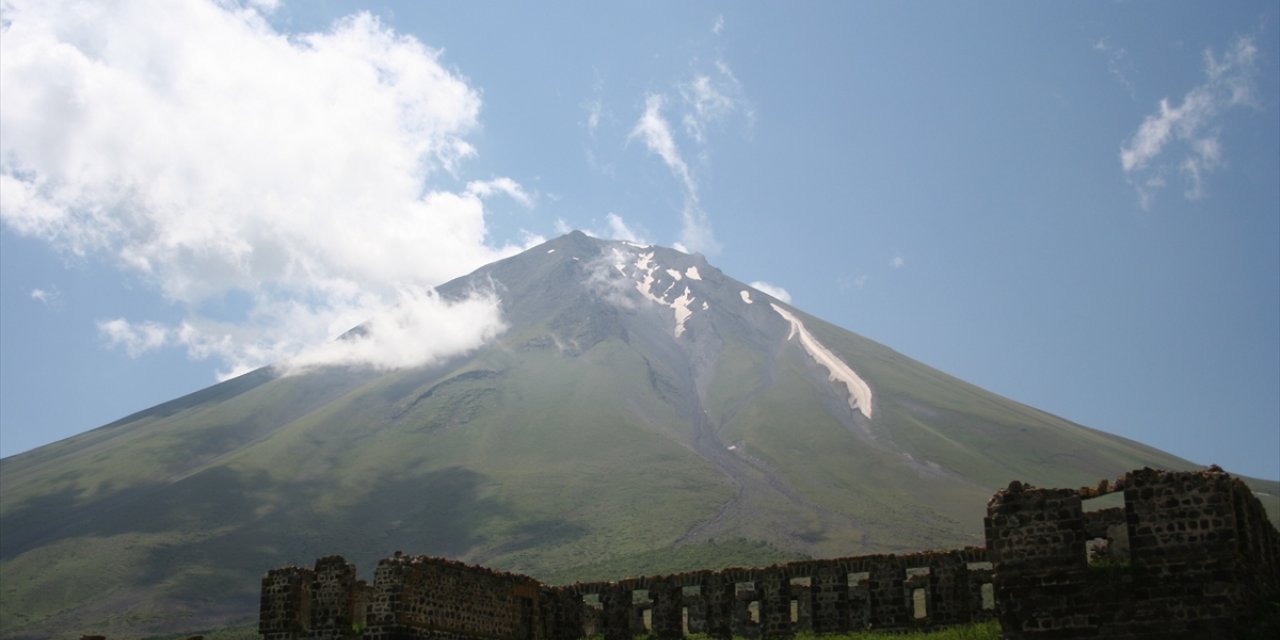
(316, 176)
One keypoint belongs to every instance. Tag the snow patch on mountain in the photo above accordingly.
(692, 273)
(859, 392)
(746, 296)
(674, 273)
(681, 306)
(645, 268)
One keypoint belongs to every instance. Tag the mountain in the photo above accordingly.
(642, 412)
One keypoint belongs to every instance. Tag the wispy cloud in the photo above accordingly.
(706, 99)
(653, 129)
(711, 98)
(596, 115)
(1119, 64)
(51, 298)
(1191, 128)
(707, 103)
(594, 109)
(898, 262)
(845, 283)
(505, 186)
(773, 290)
(298, 171)
(618, 230)
(136, 338)
(717, 27)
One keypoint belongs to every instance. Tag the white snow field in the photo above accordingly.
(859, 392)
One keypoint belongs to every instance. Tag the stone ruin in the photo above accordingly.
(426, 597)
(914, 591)
(1190, 554)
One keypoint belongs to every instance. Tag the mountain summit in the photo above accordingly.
(641, 412)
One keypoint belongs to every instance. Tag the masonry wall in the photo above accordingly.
(284, 610)
(411, 597)
(1188, 555)
(1200, 558)
(424, 597)
(825, 596)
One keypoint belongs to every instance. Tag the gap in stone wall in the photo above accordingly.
(1106, 528)
(917, 585)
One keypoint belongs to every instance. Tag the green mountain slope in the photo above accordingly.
(643, 412)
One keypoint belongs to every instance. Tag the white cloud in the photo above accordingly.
(596, 116)
(193, 144)
(1119, 65)
(413, 328)
(419, 329)
(718, 26)
(696, 234)
(594, 111)
(708, 97)
(135, 338)
(708, 104)
(51, 298)
(618, 230)
(773, 290)
(604, 279)
(711, 98)
(267, 6)
(505, 186)
(898, 262)
(845, 283)
(595, 106)
(655, 132)
(1192, 126)
(652, 128)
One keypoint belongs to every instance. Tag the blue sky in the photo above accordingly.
(1076, 205)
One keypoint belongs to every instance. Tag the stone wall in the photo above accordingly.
(411, 597)
(838, 595)
(284, 611)
(1191, 554)
(424, 597)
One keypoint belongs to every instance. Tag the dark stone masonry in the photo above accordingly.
(1190, 554)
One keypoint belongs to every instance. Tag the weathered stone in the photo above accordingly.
(1193, 556)
(1200, 556)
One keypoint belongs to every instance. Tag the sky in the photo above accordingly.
(1074, 205)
